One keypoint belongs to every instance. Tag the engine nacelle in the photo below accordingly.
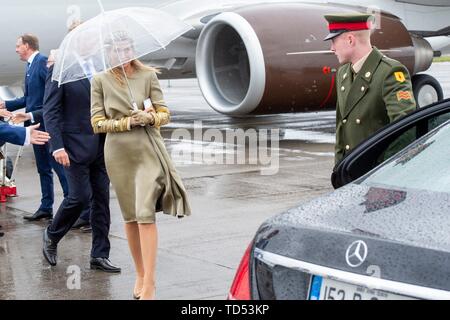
(244, 67)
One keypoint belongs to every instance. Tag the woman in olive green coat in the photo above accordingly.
(137, 161)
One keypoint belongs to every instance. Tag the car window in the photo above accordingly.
(425, 165)
(388, 142)
(437, 121)
(399, 143)
(412, 134)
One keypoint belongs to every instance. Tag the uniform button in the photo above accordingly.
(358, 121)
(347, 147)
(344, 76)
(342, 88)
(368, 74)
(344, 121)
(363, 88)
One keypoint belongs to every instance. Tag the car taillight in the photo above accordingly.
(240, 289)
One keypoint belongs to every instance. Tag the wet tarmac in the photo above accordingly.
(233, 187)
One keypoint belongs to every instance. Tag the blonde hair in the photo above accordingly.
(363, 35)
(136, 65)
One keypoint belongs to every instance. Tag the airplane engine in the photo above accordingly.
(244, 63)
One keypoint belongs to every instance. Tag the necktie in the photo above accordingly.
(353, 74)
(28, 68)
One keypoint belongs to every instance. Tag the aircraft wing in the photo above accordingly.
(433, 3)
(421, 22)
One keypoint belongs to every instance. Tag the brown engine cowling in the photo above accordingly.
(245, 65)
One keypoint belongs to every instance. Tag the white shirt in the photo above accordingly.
(31, 58)
(359, 64)
(27, 137)
(30, 61)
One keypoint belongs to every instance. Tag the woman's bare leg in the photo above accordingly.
(134, 242)
(149, 246)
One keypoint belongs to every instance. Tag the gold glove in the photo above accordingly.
(102, 125)
(143, 118)
(162, 116)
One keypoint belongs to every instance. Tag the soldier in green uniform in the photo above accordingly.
(372, 89)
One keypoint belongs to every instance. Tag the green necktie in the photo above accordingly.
(353, 74)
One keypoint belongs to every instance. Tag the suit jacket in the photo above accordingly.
(379, 94)
(12, 134)
(67, 117)
(34, 87)
(38, 117)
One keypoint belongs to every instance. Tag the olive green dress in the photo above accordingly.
(137, 161)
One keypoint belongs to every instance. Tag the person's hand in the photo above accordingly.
(62, 158)
(150, 109)
(20, 117)
(5, 113)
(38, 137)
(134, 122)
(143, 118)
(2, 104)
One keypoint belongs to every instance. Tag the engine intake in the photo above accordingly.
(243, 65)
(231, 82)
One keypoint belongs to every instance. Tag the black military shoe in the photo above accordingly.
(49, 249)
(104, 264)
(38, 215)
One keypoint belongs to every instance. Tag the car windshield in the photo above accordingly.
(424, 165)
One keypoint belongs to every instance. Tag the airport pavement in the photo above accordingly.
(197, 255)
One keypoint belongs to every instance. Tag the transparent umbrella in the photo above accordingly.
(112, 39)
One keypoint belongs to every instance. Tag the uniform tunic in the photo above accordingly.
(137, 161)
(378, 94)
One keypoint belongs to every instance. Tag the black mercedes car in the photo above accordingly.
(385, 235)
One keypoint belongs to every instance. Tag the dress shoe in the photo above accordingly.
(80, 223)
(49, 249)
(38, 215)
(104, 264)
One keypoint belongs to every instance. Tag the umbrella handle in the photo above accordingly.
(101, 5)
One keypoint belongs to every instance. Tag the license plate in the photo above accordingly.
(327, 289)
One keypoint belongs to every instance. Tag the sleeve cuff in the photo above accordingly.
(27, 137)
(31, 117)
(129, 123)
(58, 150)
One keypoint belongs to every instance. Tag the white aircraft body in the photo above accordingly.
(230, 50)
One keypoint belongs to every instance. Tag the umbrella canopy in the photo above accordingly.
(113, 38)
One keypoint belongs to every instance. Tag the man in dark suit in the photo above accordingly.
(27, 47)
(80, 151)
(83, 222)
(21, 136)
